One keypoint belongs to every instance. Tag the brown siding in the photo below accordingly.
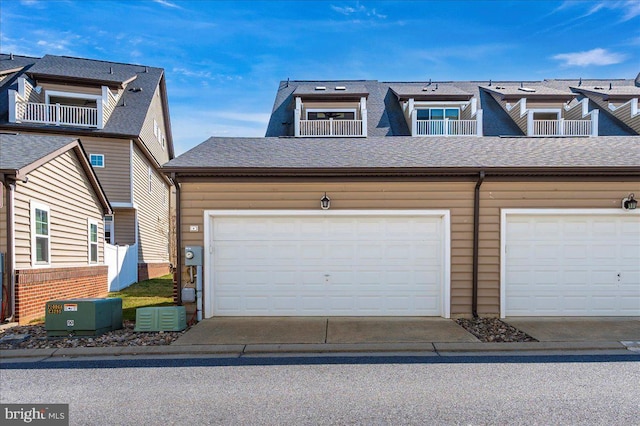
(115, 176)
(153, 212)
(124, 222)
(454, 196)
(62, 185)
(197, 197)
(160, 153)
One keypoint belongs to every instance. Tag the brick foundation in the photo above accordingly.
(152, 270)
(35, 287)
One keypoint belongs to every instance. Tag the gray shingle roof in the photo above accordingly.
(84, 69)
(331, 89)
(410, 152)
(7, 63)
(527, 90)
(406, 90)
(127, 118)
(18, 151)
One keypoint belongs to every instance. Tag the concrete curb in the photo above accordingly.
(422, 349)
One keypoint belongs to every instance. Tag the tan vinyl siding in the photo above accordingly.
(515, 113)
(63, 187)
(153, 212)
(124, 223)
(160, 153)
(197, 197)
(533, 104)
(87, 90)
(623, 113)
(457, 197)
(115, 176)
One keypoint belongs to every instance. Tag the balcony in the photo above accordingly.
(331, 128)
(56, 114)
(561, 128)
(446, 127)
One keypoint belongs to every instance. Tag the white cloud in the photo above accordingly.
(360, 10)
(167, 4)
(596, 56)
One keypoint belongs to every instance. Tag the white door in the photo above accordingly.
(571, 265)
(326, 265)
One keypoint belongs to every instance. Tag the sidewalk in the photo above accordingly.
(242, 337)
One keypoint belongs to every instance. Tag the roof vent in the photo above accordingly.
(598, 88)
(341, 88)
(526, 89)
(321, 88)
(610, 86)
(500, 87)
(136, 89)
(110, 70)
(11, 56)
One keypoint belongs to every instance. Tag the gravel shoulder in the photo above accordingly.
(35, 337)
(493, 330)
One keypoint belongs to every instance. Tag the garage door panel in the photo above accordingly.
(567, 265)
(327, 266)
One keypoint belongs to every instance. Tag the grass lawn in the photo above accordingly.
(153, 292)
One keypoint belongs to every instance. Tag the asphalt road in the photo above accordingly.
(571, 390)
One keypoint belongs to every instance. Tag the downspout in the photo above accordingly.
(10, 259)
(476, 238)
(178, 242)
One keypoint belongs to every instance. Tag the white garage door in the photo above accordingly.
(572, 265)
(327, 265)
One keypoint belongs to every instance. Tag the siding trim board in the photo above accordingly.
(508, 212)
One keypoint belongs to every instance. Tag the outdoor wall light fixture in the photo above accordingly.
(325, 202)
(629, 203)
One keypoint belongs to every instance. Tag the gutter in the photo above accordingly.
(476, 238)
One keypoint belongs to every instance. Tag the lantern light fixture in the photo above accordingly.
(630, 202)
(325, 202)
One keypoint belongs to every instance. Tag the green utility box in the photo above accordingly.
(161, 318)
(83, 317)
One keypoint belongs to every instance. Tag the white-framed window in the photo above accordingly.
(155, 128)
(40, 234)
(97, 160)
(150, 179)
(327, 113)
(546, 114)
(109, 234)
(164, 142)
(93, 241)
(438, 113)
(160, 136)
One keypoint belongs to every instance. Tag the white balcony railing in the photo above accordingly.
(562, 127)
(59, 115)
(331, 127)
(447, 127)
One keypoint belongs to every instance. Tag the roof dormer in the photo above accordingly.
(619, 99)
(540, 110)
(438, 109)
(330, 109)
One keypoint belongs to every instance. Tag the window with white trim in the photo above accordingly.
(438, 113)
(40, 234)
(108, 229)
(155, 128)
(97, 160)
(93, 241)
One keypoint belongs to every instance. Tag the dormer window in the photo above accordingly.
(438, 114)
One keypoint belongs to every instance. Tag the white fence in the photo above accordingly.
(446, 127)
(123, 265)
(32, 112)
(561, 127)
(331, 127)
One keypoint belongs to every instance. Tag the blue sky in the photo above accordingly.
(223, 60)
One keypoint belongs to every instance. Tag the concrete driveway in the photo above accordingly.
(579, 329)
(310, 330)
